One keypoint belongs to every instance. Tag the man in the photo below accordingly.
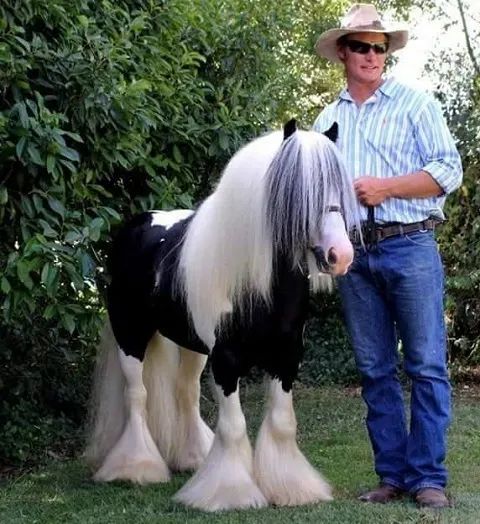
(403, 162)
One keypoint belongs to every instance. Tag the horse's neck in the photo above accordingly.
(284, 270)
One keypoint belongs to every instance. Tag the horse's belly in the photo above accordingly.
(174, 324)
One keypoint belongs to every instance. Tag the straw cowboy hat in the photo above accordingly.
(360, 18)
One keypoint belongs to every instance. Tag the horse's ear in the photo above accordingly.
(289, 128)
(332, 133)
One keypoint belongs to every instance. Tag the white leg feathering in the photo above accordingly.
(225, 480)
(135, 456)
(283, 473)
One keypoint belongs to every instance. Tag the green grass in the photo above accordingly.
(332, 435)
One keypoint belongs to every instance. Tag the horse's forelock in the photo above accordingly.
(304, 179)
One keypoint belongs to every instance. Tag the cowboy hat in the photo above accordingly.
(359, 19)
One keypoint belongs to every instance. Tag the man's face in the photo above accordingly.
(363, 68)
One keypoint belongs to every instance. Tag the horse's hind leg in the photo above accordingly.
(284, 475)
(134, 456)
(193, 438)
(225, 480)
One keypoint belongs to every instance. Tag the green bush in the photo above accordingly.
(108, 108)
(460, 243)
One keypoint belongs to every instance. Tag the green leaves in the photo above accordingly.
(108, 109)
(122, 108)
(41, 143)
(3, 196)
(57, 206)
(5, 285)
(23, 273)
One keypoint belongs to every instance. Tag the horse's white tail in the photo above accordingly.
(107, 406)
(160, 372)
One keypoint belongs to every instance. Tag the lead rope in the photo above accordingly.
(371, 236)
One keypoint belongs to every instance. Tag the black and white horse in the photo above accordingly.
(229, 281)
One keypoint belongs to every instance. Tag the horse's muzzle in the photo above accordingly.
(325, 262)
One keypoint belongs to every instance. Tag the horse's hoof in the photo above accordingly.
(142, 472)
(296, 488)
(224, 498)
(300, 496)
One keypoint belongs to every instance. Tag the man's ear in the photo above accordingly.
(289, 128)
(332, 133)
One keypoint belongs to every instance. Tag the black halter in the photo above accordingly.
(334, 209)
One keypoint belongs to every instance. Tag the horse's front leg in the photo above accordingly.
(284, 475)
(225, 480)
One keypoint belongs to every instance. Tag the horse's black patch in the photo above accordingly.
(289, 128)
(273, 342)
(332, 133)
(139, 303)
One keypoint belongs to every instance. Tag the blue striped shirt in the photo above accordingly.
(397, 131)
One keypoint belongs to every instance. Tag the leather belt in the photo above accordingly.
(382, 231)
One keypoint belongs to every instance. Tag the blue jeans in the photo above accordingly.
(395, 289)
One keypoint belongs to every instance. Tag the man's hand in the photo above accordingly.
(370, 191)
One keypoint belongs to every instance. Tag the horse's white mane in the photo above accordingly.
(228, 249)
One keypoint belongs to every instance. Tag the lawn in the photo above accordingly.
(332, 435)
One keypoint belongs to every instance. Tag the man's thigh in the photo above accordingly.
(415, 282)
(368, 319)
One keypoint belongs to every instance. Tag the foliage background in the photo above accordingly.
(458, 87)
(108, 108)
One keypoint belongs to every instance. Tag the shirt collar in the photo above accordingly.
(387, 88)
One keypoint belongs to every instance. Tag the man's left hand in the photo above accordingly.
(370, 191)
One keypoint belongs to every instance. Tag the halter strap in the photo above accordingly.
(370, 233)
(334, 209)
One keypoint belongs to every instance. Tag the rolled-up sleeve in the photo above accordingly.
(437, 147)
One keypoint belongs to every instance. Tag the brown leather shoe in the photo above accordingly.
(383, 494)
(431, 498)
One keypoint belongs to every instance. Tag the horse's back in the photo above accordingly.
(140, 246)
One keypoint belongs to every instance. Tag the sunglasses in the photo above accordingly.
(356, 46)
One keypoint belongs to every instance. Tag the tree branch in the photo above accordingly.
(467, 38)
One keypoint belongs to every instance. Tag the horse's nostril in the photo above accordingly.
(332, 257)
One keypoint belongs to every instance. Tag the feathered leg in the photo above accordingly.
(224, 480)
(160, 370)
(284, 475)
(134, 456)
(107, 406)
